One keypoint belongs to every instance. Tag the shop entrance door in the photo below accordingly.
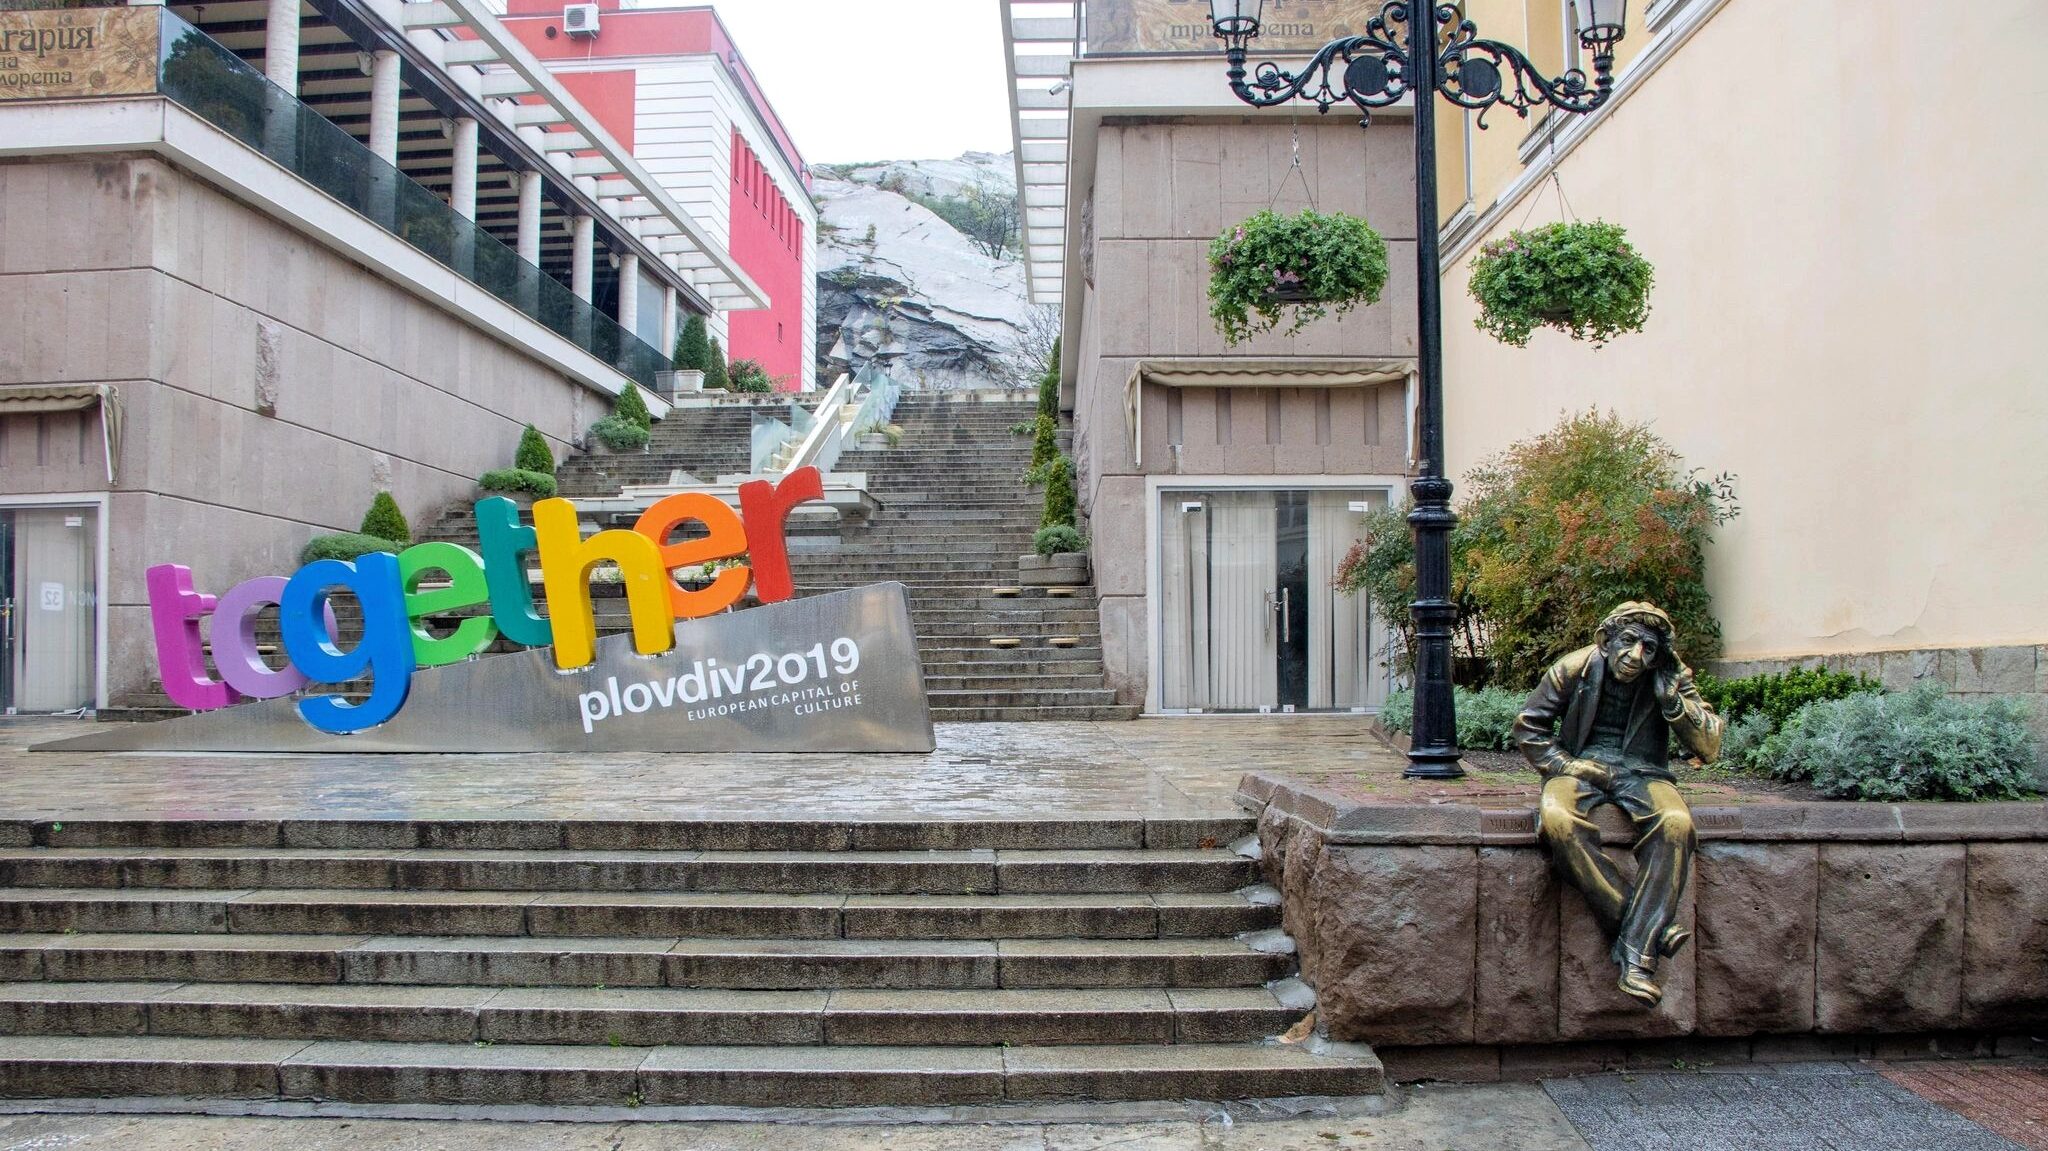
(1248, 619)
(49, 599)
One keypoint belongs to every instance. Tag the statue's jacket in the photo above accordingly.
(1570, 693)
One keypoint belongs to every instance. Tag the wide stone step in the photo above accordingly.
(716, 963)
(961, 700)
(636, 914)
(641, 1017)
(968, 872)
(1020, 679)
(1035, 714)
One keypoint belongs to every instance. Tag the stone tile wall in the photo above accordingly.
(1443, 926)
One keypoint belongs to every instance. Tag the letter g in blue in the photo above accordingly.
(385, 651)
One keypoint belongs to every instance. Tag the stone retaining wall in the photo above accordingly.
(1442, 926)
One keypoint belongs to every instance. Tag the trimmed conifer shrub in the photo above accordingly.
(1059, 493)
(693, 346)
(385, 521)
(533, 454)
(715, 379)
(630, 406)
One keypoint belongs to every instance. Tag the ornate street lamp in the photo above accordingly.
(1371, 71)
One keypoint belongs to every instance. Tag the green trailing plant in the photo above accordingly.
(385, 521)
(1582, 278)
(534, 454)
(1313, 263)
(693, 346)
(346, 546)
(619, 433)
(1045, 425)
(1919, 744)
(522, 481)
(1775, 697)
(1486, 716)
(893, 433)
(630, 406)
(1059, 493)
(715, 378)
(749, 376)
(1058, 539)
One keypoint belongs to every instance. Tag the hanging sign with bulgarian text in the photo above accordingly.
(56, 52)
(836, 672)
(1142, 27)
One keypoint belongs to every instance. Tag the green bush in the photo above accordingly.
(521, 480)
(385, 521)
(1920, 744)
(534, 455)
(715, 379)
(1486, 717)
(1045, 426)
(619, 433)
(345, 546)
(1314, 261)
(749, 376)
(1582, 278)
(1776, 697)
(1059, 493)
(1742, 741)
(630, 406)
(693, 346)
(1058, 539)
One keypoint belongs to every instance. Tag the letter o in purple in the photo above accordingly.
(234, 640)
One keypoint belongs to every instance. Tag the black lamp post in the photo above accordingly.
(1371, 71)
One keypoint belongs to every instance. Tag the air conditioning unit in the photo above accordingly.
(580, 19)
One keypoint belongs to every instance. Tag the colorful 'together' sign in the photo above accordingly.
(396, 637)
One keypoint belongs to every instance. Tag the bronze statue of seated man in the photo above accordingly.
(1599, 730)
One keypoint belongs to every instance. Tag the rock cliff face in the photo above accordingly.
(901, 288)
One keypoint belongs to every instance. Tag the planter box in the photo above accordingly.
(1069, 569)
(682, 381)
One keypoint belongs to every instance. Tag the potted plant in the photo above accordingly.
(1582, 278)
(1059, 558)
(1313, 263)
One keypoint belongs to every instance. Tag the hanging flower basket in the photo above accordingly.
(1582, 278)
(1312, 263)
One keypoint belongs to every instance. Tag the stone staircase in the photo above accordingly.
(733, 963)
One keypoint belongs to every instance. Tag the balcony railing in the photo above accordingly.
(214, 84)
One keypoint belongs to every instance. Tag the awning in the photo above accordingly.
(30, 399)
(1293, 372)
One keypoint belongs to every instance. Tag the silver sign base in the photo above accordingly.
(830, 673)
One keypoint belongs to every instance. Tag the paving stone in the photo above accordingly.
(830, 963)
(676, 914)
(379, 912)
(998, 1018)
(47, 1067)
(1150, 870)
(823, 1076)
(202, 958)
(104, 909)
(77, 1008)
(1088, 963)
(416, 1073)
(1189, 914)
(651, 1017)
(1186, 1071)
(1000, 916)
(512, 962)
(319, 1011)
(1228, 1014)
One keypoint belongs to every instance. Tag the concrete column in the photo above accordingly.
(462, 196)
(529, 217)
(668, 319)
(281, 45)
(629, 292)
(384, 108)
(582, 231)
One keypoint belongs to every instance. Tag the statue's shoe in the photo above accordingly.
(1673, 940)
(1641, 983)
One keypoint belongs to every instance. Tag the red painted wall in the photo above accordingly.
(608, 96)
(767, 240)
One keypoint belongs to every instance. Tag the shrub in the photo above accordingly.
(1059, 493)
(715, 379)
(693, 346)
(522, 480)
(1045, 427)
(1584, 279)
(534, 455)
(1742, 741)
(1776, 697)
(893, 433)
(1486, 716)
(619, 433)
(1311, 262)
(385, 521)
(1058, 539)
(345, 546)
(1559, 529)
(1381, 566)
(1920, 744)
(748, 376)
(630, 406)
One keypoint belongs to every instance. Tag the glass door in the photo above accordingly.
(1249, 620)
(49, 602)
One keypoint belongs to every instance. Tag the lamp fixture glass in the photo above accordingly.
(1600, 21)
(1235, 20)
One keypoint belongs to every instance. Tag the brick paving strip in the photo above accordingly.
(1784, 1107)
(2013, 1101)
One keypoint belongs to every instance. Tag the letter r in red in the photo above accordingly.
(765, 507)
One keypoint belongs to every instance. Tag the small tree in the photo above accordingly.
(1059, 493)
(630, 406)
(715, 378)
(385, 521)
(749, 376)
(533, 454)
(693, 346)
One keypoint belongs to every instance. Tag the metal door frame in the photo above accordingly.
(100, 504)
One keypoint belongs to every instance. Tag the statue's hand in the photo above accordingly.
(1592, 772)
(1671, 688)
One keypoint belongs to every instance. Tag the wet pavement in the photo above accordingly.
(1173, 767)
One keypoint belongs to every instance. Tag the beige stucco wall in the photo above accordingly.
(1162, 190)
(1847, 315)
(269, 386)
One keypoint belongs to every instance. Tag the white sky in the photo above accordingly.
(878, 79)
